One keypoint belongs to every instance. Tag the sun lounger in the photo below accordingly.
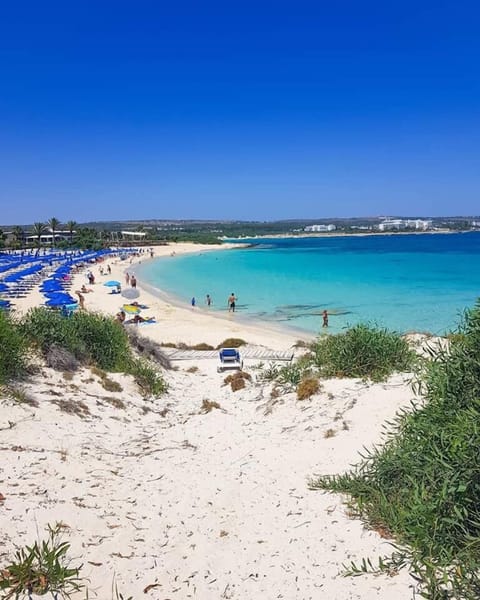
(229, 358)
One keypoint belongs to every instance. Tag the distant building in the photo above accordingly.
(319, 228)
(398, 224)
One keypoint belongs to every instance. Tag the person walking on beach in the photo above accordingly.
(81, 300)
(133, 281)
(127, 278)
(208, 300)
(325, 318)
(231, 302)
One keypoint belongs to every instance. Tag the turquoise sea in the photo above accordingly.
(404, 282)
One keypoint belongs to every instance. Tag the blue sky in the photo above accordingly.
(252, 110)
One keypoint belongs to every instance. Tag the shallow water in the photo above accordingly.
(404, 282)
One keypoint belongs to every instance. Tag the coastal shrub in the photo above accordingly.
(90, 337)
(148, 379)
(308, 388)
(47, 328)
(362, 351)
(106, 342)
(423, 486)
(232, 343)
(288, 376)
(13, 349)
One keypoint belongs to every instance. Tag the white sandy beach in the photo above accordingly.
(175, 503)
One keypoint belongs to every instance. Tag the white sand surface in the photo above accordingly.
(201, 505)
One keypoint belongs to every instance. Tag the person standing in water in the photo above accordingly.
(325, 318)
(193, 302)
(208, 300)
(231, 302)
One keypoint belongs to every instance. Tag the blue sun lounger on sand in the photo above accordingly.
(229, 358)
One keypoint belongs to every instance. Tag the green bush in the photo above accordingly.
(13, 349)
(423, 486)
(362, 351)
(90, 337)
(148, 379)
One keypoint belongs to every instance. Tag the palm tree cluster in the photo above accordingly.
(39, 228)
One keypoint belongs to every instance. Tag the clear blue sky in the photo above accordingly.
(242, 110)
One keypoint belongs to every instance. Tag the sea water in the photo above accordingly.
(403, 282)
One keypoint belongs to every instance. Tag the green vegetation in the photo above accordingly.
(92, 338)
(423, 486)
(45, 568)
(363, 351)
(84, 338)
(13, 349)
(41, 569)
(148, 379)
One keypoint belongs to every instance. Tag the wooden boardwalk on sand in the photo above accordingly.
(254, 353)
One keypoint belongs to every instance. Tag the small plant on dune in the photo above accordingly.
(307, 388)
(148, 379)
(13, 349)
(423, 487)
(363, 351)
(232, 343)
(41, 569)
(237, 380)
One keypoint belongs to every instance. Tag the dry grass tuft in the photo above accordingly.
(60, 359)
(203, 346)
(307, 388)
(116, 402)
(237, 380)
(192, 370)
(232, 343)
(73, 407)
(209, 405)
(20, 395)
(329, 433)
(110, 385)
(275, 393)
(149, 349)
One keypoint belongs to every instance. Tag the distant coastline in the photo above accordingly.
(338, 234)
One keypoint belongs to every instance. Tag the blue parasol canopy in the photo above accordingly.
(112, 283)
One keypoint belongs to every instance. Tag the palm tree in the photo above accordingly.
(53, 224)
(38, 229)
(71, 225)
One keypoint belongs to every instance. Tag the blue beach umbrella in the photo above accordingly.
(3, 287)
(112, 283)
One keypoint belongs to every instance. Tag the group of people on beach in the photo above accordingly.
(231, 302)
(131, 280)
